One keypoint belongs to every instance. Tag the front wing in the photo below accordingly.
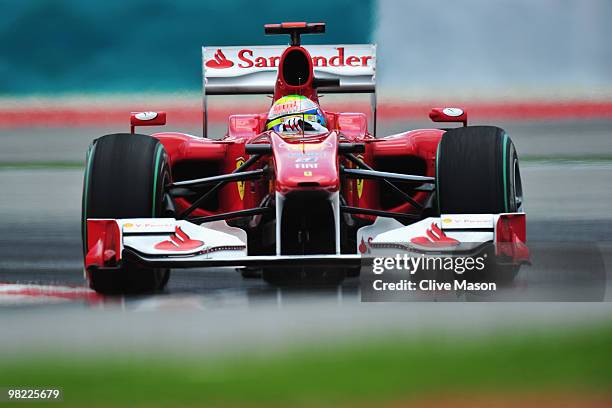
(170, 243)
(453, 235)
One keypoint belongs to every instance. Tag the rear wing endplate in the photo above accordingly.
(253, 70)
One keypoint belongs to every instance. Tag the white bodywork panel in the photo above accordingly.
(447, 233)
(252, 69)
(170, 237)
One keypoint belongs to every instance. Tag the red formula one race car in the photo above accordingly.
(298, 193)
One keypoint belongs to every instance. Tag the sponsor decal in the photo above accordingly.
(452, 112)
(241, 184)
(219, 61)
(458, 221)
(355, 58)
(308, 173)
(302, 154)
(307, 159)
(146, 115)
(359, 181)
(359, 187)
(306, 148)
(307, 165)
(248, 59)
(151, 226)
(365, 247)
(435, 238)
(292, 104)
(179, 241)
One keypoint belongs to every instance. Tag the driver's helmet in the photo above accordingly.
(295, 113)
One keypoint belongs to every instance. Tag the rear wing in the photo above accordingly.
(253, 70)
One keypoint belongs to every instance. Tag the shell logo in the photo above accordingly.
(128, 225)
(447, 220)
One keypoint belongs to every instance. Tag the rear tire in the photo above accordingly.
(125, 177)
(477, 172)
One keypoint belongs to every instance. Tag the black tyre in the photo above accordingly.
(125, 177)
(477, 172)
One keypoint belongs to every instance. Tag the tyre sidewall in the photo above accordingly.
(125, 177)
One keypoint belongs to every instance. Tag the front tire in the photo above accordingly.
(477, 172)
(125, 177)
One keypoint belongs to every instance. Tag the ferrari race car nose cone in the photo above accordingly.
(309, 165)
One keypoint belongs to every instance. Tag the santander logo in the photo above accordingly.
(247, 59)
(363, 247)
(220, 61)
(436, 238)
(179, 241)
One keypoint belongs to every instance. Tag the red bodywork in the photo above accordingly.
(417, 149)
(303, 198)
(305, 164)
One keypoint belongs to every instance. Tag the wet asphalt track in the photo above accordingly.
(569, 222)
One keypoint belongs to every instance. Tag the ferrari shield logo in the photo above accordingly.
(359, 182)
(240, 184)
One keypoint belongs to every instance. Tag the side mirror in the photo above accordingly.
(147, 119)
(448, 115)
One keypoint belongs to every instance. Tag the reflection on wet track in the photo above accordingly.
(570, 237)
